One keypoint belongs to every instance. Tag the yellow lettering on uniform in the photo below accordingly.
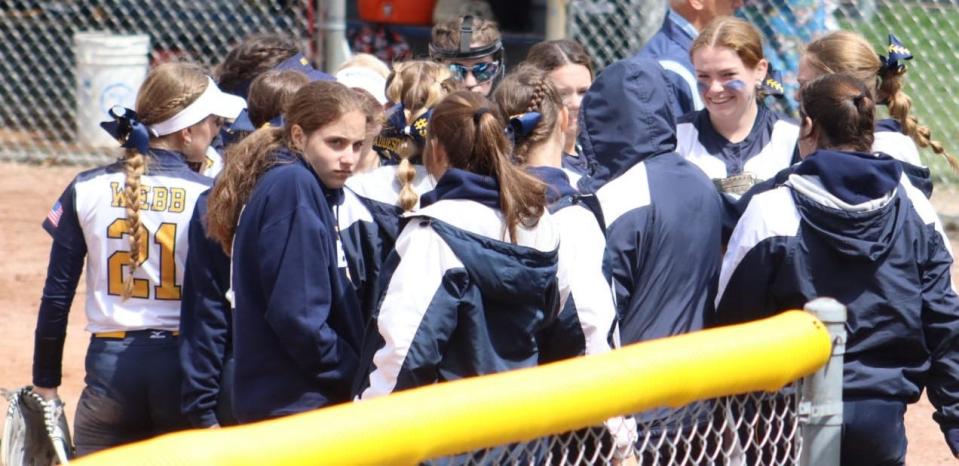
(117, 191)
(144, 197)
(177, 200)
(161, 197)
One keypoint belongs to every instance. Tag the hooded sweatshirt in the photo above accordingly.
(662, 215)
(850, 226)
(297, 324)
(459, 300)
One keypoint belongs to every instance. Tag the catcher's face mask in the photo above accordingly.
(478, 68)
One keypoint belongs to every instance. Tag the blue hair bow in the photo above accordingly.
(127, 128)
(772, 84)
(898, 54)
(522, 125)
(419, 129)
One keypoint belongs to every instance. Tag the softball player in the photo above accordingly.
(474, 272)
(570, 69)
(369, 219)
(662, 215)
(296, 320)
(847, 224)
(539, 124)
(735, 139)
(129, 220)
(205, 318)
(849, 53)
(663, 268)
(481, 242)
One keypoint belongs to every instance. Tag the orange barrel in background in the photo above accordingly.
(408, 12)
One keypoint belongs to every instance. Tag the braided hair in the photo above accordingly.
(528, 89)
(167, 90)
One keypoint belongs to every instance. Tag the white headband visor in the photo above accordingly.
(212, 101)
(368, 80)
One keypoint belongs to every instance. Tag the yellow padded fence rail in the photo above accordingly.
(449, 418)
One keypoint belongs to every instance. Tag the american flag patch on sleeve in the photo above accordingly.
(55, 213)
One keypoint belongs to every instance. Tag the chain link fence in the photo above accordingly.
(615, 29)
(756, 429)
(40, 89)
(39, 86)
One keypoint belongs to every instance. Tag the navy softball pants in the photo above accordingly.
(132, 391)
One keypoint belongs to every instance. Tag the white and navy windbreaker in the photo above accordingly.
(850, 226)
(769, 147)
(585, 324)
(369, 222)
(663, 216)
(459, 300)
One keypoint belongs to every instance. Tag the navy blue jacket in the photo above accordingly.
(670, 47)
(769, 147)
(297, 325)
(205, 321)
(849, 226)
(662, 215)
(459, 300)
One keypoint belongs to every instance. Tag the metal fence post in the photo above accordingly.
(821, 407)
(555, 19)
(332, 30)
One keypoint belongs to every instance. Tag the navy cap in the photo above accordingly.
(299, 63)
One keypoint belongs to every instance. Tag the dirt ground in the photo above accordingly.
(26, 194)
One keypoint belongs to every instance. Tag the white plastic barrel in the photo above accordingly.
(110, 69)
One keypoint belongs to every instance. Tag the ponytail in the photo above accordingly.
(417, 86)
(900, 108)
(843, 110)
(135, 164)
(475, 140)
(850, 53)
(246, 161)
(405, 174)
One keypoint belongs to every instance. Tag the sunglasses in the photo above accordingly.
(481, 71)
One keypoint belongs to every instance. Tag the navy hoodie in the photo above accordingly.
(849, 226)
(662, 214)
(297, 325)
(460, 301)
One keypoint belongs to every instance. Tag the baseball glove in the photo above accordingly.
(35, 431)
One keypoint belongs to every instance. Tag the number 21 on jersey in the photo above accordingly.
(165, 239)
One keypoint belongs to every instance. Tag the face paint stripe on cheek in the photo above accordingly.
(736, 85)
